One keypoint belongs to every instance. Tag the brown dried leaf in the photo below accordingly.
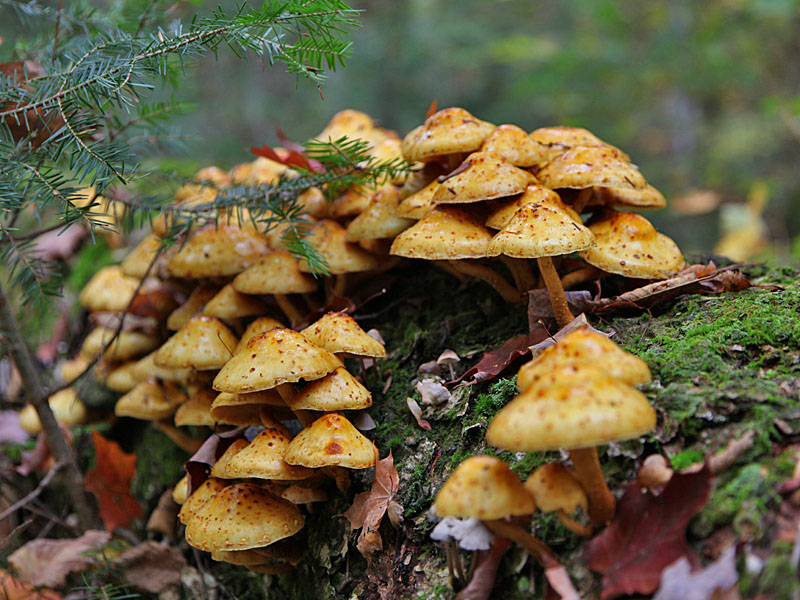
(495, 362)
(678, 581)
(152, 566)
(199, 465)
(48, 562)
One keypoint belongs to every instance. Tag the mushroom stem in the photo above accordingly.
(443, 264)
(557, 297)
(535, 547)
(341, 476)
(582, 200)
(183, 441)
(521, 270)
(311, 302)
(582, 530)
(288, 394)
(340, 285)
(493, 278)
(288, 308)
(579, 276)
(590, 476)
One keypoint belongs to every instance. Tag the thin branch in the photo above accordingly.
(58, 25)
(34, 493)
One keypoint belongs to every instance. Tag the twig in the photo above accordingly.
(58, 25)
(33, 494)
(732, 452)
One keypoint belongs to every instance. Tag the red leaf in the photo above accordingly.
(432, 108)
(647, 534)
(495, 362)
(110, 481)
(293, 159)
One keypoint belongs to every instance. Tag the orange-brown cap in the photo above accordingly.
(648, 197)
(448, 131)
(137, 262)
(331, 440)
(313, 202)
(553, 141)
(336, 391)
(193, 305)
(483, 176)
(444, 233)
(299, 494)
(196, 410)
(128, 344)
(353, 202)
(264, 458)
(571, 407)
(533, 194)
(329, 238)
(585, 347)
(109, 290)
(272, 358)
(275, 273)
(67, 408)
(339, 333)
(144, 368)
(629, 245)
(590, 166)
(199, 497)
(348, 123)
(554, 487)
(149, 401)
(483, 487)
(260, 325)
(122, 378)
(240, 517)
(378, 220)
(419, 203)
(204, 343)
(513, 144)
(222, 468)
(232, 304)
(216, 251)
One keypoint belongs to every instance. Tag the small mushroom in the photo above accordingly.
(654, 473)
(555, 489)
(448, 358)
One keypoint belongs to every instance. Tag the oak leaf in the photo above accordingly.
(368, 508)
(110, 481)
(648, 533)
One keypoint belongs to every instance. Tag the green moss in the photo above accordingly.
(496, 397)
(159, 465)
(686, 458)
(777, 580)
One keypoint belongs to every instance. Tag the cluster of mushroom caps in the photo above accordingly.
(576, 395)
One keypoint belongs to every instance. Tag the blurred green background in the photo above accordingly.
(704, 96)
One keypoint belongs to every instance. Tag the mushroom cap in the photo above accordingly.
(483, 487)
(272, 358)
(352, 202)
(444, 233)
(378, 220)
(199, 497)
(240, 517)
(109, 290)
(241, 415)
(448, 131)
(204, 343)
(648, 197)
(338, 332)
(533, 194)
(338, 390)
(585, 347)
(128, 344)
(181, 490)
(328, 441)
(217, 251)
(264, 458)
(260, 325)
(193, 305)
(590, 166)
(571, 407)
(196, 410)
(514, 145)
(300, 494)
(232, 304)
(388, 150)
(554, 487)
(286, 551)
(245, 409)
(122, 378)
(329, 238)
(557, 140)
(68, 369)
(137, 262)
(629, 245)
(275, 273)
(145, 367)
(482, 176)
(348, 123)
(222, 467)
(541, 229)
(418, 204)
(67, 408)
(313, 202)
(149, 401)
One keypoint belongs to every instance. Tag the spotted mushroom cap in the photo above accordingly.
(275, 273)
(222, 467)
(137, 262)
(181, 490)
(571, 407)
(331, 440)
(128, 344)
(483, 487)
(272, 358)
(541, 229)
(482, 176)
(122, 378)
(554, 487)
(534, 194)
(591, 166)
(418, 204)
(585, 347)
(336, 391)
(348, 123)
(514, 145)
(193, 306)
(67, 408)
(232, 304)
(378, 220)
(260, 325)
(149, 401)
(339, 333)
(448, 131)
(444, 233)
(264, 458)
(243, 409)
(553, 141)
(196, 410)
(648, 197)
(145, 367)
(109, 290)
(352, 202)
(629, 245)
(199, 497)
(204, 343)
(217, 251)
(240, 517)
(329, 238)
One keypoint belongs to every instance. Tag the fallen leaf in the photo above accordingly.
(647, 534)
(293, 159)
(199, 465)
(495, 362)
(110, 481)
(48, 562)
(432, 392)
(12, 588)
(416, 411)
(678, 581)
(432, 108)
(540, 307)
(40, 457)
(481, 583)
(368, 508)
(152, 566)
